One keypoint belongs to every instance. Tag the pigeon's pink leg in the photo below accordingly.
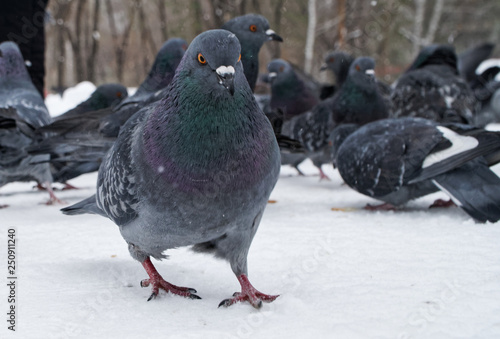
(157, 282)
(53, 199)
(248, 293)
(442, 203)
(382, 207)
(69, 187)
(322, 175)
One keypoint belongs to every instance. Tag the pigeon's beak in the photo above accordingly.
(323, 67)
(271, 76)
(273, 36)
(225, 74)
(370, 72)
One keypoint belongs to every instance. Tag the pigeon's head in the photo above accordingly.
(252, 30)
(12, 62)
(363, 65)
(107, 95)
(277, 69)
(213, 63)
(336, 61)
(436, 55)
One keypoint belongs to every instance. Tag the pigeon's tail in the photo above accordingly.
(475, 188)
(85, 206)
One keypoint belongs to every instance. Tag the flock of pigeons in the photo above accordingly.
(191, 158)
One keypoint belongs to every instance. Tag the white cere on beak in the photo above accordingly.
(224, 71)
(370, 72)
(273, 74)
(270, 32)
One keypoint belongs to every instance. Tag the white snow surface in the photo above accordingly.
(413, 273)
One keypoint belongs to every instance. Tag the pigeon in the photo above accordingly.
(486, 88)
(22, 111)
(396, 160)
(252, 30)
(338, 62)
(359, 100)
(104, 96)
(78, 143)
(196, 168)
(17, 90)
(469, 60)
(431, 88)
(291, 91)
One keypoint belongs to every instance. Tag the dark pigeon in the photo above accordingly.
(432, 88)
(292, 92)
(17, 90)
(252, 30)
(78, 143)
(197, 168)
(486, 88)
(16, 164)
(22, 110)
(359, 100)
(104, 96)
(396, 160)
(339, 63)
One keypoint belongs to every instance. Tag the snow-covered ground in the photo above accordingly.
(341, 272)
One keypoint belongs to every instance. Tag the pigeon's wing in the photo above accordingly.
(473, 187)
(427, 94)
(456, 149)
(116, 185)
(15, 136)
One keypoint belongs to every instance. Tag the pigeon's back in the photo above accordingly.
(17, 90)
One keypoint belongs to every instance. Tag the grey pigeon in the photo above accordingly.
(22, 110)
(104, 96)
(431, 88)
(78, 143)
(197, 168)
(396, 160)
(252, 30)
(17, 90)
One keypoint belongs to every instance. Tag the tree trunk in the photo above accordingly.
(311, 35)
(341, 27)
(162, 14)
(95, 36)
(418, 25)
(433, 24)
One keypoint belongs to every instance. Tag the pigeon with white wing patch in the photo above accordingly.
(397, 160)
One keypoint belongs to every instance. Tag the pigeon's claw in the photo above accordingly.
(157, 283)
(442, 203)
(248, 293)
(381, 207)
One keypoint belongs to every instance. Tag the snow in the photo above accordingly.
(341, 272)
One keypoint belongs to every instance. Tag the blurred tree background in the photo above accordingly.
(116, 41)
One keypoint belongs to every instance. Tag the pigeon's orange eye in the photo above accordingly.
(239, 58)
(358, 68)
(201, 59)
(253, 28)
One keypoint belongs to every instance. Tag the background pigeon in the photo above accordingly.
(338, 62)
(78, 143)
(469, 60)
(195, 169)
(432, 88)
(17, 90)
(396, 160)
(22, 110)
(104, 96)
(252, 30)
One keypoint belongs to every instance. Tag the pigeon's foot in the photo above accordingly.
(382, 207)
(157, 282)
(53, 200)
(442, 203)
(323, 176)
(68, 187)
(248, 293)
